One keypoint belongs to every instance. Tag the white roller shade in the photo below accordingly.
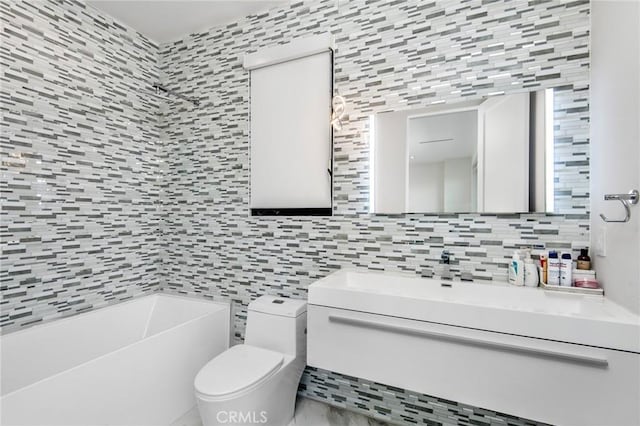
(291, 133)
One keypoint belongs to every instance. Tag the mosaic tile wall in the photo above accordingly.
(397, 406)
(80, 213)
(385, 51)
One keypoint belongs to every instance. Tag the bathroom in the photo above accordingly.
(151, 257)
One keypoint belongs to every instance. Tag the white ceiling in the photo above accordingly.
(168, 20)
(440, 137)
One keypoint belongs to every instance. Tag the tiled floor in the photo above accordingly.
(308, 413)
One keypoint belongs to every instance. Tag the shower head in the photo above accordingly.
(161, 92)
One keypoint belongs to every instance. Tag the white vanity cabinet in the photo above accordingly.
(556, 382)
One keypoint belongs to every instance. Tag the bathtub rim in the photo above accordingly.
(223, 306)
(60, 320)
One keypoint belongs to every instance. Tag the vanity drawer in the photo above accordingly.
(554, 382)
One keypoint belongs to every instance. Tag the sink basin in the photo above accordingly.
(500, 307)
(529, 352)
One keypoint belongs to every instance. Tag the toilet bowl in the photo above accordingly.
(256, 383)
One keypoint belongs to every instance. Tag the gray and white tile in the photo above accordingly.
(108, 193)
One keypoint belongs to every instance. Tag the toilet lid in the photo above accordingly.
(235, 369)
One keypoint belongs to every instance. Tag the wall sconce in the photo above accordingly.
(338, 104)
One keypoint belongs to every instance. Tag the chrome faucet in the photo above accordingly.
(445, 261)
(445, 257)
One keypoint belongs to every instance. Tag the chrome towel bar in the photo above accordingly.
(627, 201)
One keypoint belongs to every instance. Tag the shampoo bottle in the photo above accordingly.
(566, 267)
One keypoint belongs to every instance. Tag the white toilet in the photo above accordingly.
(256, 383)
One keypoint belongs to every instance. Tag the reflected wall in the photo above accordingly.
(492, 154)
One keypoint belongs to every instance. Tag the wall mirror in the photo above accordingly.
(521, 152)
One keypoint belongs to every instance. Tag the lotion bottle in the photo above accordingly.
(553, 268)
(516, 269)
(531, 278)
(566, 267)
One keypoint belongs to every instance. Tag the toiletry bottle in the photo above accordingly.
(584, 261)
(531, 278)
(544, 264)
(566, 267)
(520, 268)
(516, 269)
(513, 267)
(553, 268)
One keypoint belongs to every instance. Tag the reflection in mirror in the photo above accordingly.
(493, 155)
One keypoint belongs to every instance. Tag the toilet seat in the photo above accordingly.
(235, 371)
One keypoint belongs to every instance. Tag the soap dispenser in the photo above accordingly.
(531, 277)
(516, 269)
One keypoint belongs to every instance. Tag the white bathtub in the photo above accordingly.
(129, 364)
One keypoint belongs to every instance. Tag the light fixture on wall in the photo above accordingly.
(338, 104)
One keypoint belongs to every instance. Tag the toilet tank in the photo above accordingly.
(278, 324)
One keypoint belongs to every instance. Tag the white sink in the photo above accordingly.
(500, 307)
